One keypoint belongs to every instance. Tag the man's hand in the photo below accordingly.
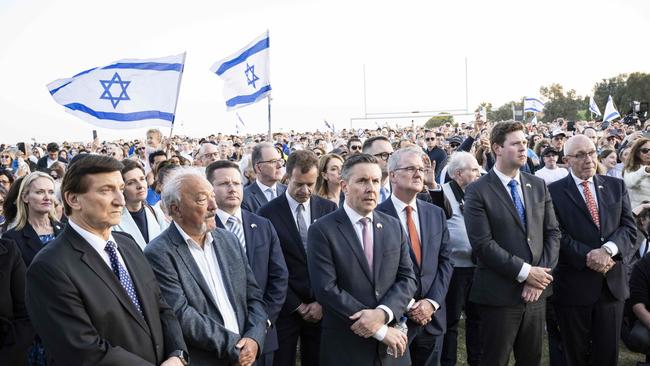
(421, 312)
(396, 341)
(367, 322)
(599, 260)
(313, 312)
(247, 351)
(172, 361)
(530, 293)
(539, 277)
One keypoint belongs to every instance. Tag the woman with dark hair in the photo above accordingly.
(6, 179)
(636, 171)
(139, 219)
(9, 208)
(328, 183)
(608, 159)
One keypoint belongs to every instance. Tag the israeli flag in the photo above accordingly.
(534, 120)
(239, 124)
(246, 74)
(593, 108)
(533, 105)
(128, 93)
(610, 111)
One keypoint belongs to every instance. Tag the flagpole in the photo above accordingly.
(268, 99)
(178, 90)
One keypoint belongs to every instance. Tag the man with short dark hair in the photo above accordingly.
(260, 242)
(515, 238)
(380, 148)
(292, 214)
(91, 295)
(267, 163)
(435, 151)
(45, 162)
(354, 145)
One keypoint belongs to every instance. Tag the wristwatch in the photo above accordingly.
(609, 251)
(182, 355)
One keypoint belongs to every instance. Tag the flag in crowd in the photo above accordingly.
(534, 120)
(610, 111)
(239, 124)
(593, 107)
(128, 93)
(533, 105)
(329, 126)
(246, 73)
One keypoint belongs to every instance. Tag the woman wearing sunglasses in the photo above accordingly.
(637, 171)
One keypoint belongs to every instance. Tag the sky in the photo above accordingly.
(414, 55)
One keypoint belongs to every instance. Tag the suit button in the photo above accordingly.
(377, 293)
(157, 347)
(528, 239)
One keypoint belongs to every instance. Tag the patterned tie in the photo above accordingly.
(235, 228)
(270, 193)
(300, 222)
(122, 274)
(591, 203)
(519, 205)
(367, 240)
(413, 235)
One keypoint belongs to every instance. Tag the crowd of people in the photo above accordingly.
(355, 247)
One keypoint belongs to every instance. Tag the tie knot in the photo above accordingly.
(409, 209)
(513, 183)
(300, 207)
(584, 183)
(110, 246)
(232, 220)
(364, 221)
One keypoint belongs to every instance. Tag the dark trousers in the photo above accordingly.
(517, 329)
(457, 301)
(425, 348)
(290, 329)
(555, 347)
(265, 359)
(591, 334)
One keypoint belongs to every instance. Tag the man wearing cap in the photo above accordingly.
(551, 172)
(557, 142)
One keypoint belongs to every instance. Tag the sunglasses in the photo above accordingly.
(430, 139)
(355, 147)
(5, 156)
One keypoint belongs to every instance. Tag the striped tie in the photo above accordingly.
(235, 228)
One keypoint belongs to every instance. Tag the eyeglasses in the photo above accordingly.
(273, 162)
(411, 169)
(429, 139)
(5, 156)
(584, 156)
(453, 146)
(355, 147)
(644, 150)
(383, 156)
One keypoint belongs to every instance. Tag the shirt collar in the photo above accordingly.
(506, 179)
(579, 181)
(94, 240)
(401, 206)
(265, 187)
(224, 216)
(353, 215)
(293, 204)
(190, 241)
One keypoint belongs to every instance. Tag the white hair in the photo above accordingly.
(171, 193)
(395, 158)
(458, 161)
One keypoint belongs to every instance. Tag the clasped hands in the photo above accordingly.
(311, 312)
(599, 260)
(369, 321)
(538, 279)
(247, 351)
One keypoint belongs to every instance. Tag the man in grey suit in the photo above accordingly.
(514, 234)
(361, 273)
(205, 277)
(267, 164)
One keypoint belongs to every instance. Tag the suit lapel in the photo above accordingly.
(378, 247)
(575, 195)
(226, 270)
(91, 258)
(140, 287)
(350, 235)
(33, 241)
(425, 232)
(501, 192)
(250, 236)
(527, 190)
(290, 223)
(258, 195)
(601, 196)
(389, 208)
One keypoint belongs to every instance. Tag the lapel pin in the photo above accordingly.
(600, 187)
(380, 226)
(528, 185)
(253, 226)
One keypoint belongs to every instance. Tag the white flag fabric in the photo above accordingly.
(610, 111)
(534, 120)
(593, 107)
(246, 73)
(533, 105)
(129, 93)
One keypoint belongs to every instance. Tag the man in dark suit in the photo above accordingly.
(260, 242)
(44, 163)
(381, 148)
(598, 231)
(205, 277)
(267, 164)
(291, 214)
(426, 229)
(361, 271)
(515, 237)
(91, 294)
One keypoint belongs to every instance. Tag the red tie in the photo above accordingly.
(413, 235)
(591, 203)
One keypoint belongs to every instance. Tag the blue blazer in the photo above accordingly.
(574, 283)
(267, 262)
(434, 274)
(254, 198)
(279, 213)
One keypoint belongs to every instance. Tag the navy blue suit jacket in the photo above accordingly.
(279, 212)
(254, 198)
(267, 262)
(574, 283)
(434, 273)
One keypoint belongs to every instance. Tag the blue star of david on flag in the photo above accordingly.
(250, 75)
(107, 84)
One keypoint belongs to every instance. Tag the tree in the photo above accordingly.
(502, 113)
(439, 120)
(560, 103)
(613, 86)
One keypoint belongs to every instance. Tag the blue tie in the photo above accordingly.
(519, 205)
(122, 274)
(383, 194)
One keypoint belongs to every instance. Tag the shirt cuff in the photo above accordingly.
(436, 306)
(523, 273)
(388, 311)
(612, 246)
(381, 333)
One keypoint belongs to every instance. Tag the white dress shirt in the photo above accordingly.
(206, 260)
(264, 189)
(293, 205)
(610, 244)
(400, 207)
(525, 268)
(99, 244)
(224, 216)
(358, 229)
